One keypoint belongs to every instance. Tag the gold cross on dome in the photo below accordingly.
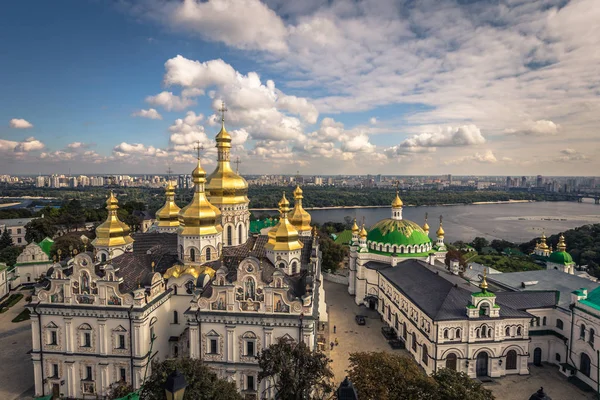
(198, 148)
(222, 110)
(237, 163)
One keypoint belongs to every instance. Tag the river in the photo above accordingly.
(516, 222)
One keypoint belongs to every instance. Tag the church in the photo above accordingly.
(196, 285)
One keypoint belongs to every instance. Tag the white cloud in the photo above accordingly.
(126, 149)
(170, 101)
(571, 155)
(28, 145)
(19, 123)
(77, 145)
(150, 113)
(373, 121)
(466, 135)
(536, 128)
(487, 157)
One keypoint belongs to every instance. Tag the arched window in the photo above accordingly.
(483, 332)
(445, 333)
(404, 333)
(582, 332)
(451, 361)
(181, 253)
(240, 234)
(425, 357)
(511, 360)
(192, 254)
(544, 321)
(414, 342)
(175, 317)
(591, 338)
(175, 351)
(507, 331)
(208, 254)
(229, 234)
(294, 267)
(189, 287)
(484, 309)
(458, 333)
(519, 331)
(478, 333)
(103, 257)
(584, 364)
(281, 265)
(559, 324)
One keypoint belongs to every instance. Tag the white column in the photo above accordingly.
(104, 381)
(230, 343)
(68, 335)
(35, 332)
(102, 337)
(194, 334)
(71, 380)
(37, 376)
(268, 336)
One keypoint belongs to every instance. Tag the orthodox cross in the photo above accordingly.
(198, 148)
(222, 110)
(426, 214)
(441, 217)
(237, 163)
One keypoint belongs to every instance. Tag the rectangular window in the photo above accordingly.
(213, 346)
(250, 383)
(53, 338)
(88, 373)
(122, 374)
(121, 341)
(18, 240)
(55, 370)
(18, 231)
(250, 348)
(87, 340)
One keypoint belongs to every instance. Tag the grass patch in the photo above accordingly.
(11, 301)
(23, 316)
(507, 263)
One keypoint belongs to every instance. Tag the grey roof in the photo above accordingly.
(440, 298)
(376, 265)
(543, 280)
(15, 221)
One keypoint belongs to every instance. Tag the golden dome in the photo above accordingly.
(426, 226)
(397, 202)
(225, 186)
(199, 217)
(168, 215)
(283, 236)
(363, 232)
(543, 245)
(355, 228)
(561, 246)
(299, 217)
(440, 232)
(112, 232)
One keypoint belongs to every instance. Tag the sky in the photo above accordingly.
(323, 87)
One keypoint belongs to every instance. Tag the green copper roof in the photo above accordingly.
(344, 237)
(593, 299)
(46, 245)
(397, 232)
(560, 257)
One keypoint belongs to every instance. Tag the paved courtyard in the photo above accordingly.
(353, 338)
(16, 369)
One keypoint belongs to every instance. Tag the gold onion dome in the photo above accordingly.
(283, 236)
(440, 232)
(363, 232)
(355, 228)
(225, 186)
(168, 215)
(199, 217)
(426, 225)
(543, 244)
(561, 246)
(112, 232)
(397, 201)
(299, 217)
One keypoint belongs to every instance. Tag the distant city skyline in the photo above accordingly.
(322, 87)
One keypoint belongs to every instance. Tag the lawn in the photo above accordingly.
(11, 301)
(23, 316)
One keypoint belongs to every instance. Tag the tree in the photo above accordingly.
(452, 385)
(295, 371)
(5, 240)
(38, 229)
(332, 253)
(9, 255)
(203, 382)
(133, 221)
(479, 243)
(67, 243)
(118, 390)
(385, 376)
(72, 214)
(454, 254)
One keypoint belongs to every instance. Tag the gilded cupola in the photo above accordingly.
(363, 232)
(426, 225)
(113, 232)
(440, 232)
(283, 236)
(225, 186)
(397, 201)
(168, 215)
(543, 245)
(199, 217)
(355, 228)
(299, 217)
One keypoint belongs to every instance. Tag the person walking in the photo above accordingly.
(331, 344)
(334, 328)
(336, 342)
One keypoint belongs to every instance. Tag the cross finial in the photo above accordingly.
(237, 163)
(223, 110)
(198, 148)
(441, 219)
(426, 215)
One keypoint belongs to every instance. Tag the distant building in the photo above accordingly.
(539, 181)
(40, 181)
(16, 228)
(4, 289)
(33, 262)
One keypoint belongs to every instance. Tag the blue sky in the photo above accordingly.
(318, 86)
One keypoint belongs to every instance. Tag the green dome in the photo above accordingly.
(398, 232)
(560, 257)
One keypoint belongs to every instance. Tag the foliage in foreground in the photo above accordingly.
(295, 371)
(385, 376)
(203, 382)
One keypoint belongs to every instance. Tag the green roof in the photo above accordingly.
(260, 224)
(593, 299)
(483, 294)
(46, 245)
(398, 232)
(344, 237)
(560, 257)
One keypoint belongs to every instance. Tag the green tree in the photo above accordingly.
(118, 390)
(5, 240)
(203, 382)
(67, 243)
(295, 371)
(479, 243)
(39, 228)
(332, 253)
(452, 385)
(72, 215)
(454, 254)
(9, 255)
(133, 221)
(386, 376)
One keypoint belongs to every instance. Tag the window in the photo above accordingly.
(557, 357)
(122, 374)
(591, 338)
(451, 361)
(511, 360)
(294, 267)
(507, 331)
(213, 346)
(414, 342)
(544, 321)
(559, 324)
(121, 342)
(151, 332)
(54, 371)
(18, 231)
(229, 234)
(53, 338)
(175, 317)
(208, 254)
(33, 256)
(189, 287)
(519, 331)
(250, 348)
(537, 321)
(425, 357)
(88, 373)
(240, 234)
(584, 364)
(250, 382)
(445, 333)
(458, 333)
(28, 278)
(281, 265)
(192, 254)
(103, 257)
(18, 240)
(582, 332)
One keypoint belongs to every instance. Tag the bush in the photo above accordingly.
(11, 301)
(23, 316)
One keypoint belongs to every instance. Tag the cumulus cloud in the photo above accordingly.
(29, 144)
(19, 123)
(150, 113)
(571, 155)
(541, 127)
(466, 135)
(126, 149)
(77, 145)
(170, 101)
(486, 157)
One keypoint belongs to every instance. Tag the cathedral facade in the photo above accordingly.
(197, 285)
